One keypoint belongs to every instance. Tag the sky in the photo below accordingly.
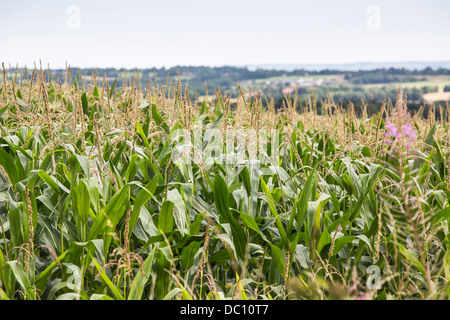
(147, 34)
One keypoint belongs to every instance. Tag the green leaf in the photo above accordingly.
(305, 195)
(142, 134)
(250, 222)
(133, 167)
(202, 108)
(41, 280)
(84, 103)
(85, 164)
(188, 255)
(142, 277)
(277, 256)
(408, 254)
(8, 163)
(143, 197)
(159, 120)
(273, 209)
(154, 239)
(222, 207)
(165, 220)
(80, 201)
(221, 255)
(105, 278)
(341, 242)
(97, 296)
(22, 278)
(442, 215)
(110, 215)
(355, 210)
(430, 136)
(49, 180)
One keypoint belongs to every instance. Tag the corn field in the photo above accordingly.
(143, 192)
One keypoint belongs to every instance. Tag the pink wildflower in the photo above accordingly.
(287, 90)
(393, 130)
(408, 131)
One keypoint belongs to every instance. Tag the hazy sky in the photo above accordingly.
(130, 33)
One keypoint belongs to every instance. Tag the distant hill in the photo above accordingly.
(410, 65)
(420, 81)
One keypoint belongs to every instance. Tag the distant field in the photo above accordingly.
(432, 81)
(439, 81)
(337, 84)
(338, 78)
(375, 85)
(436, 96)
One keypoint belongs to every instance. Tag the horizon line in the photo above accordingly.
(252, 65)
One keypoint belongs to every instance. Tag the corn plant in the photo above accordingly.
(142, 193)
